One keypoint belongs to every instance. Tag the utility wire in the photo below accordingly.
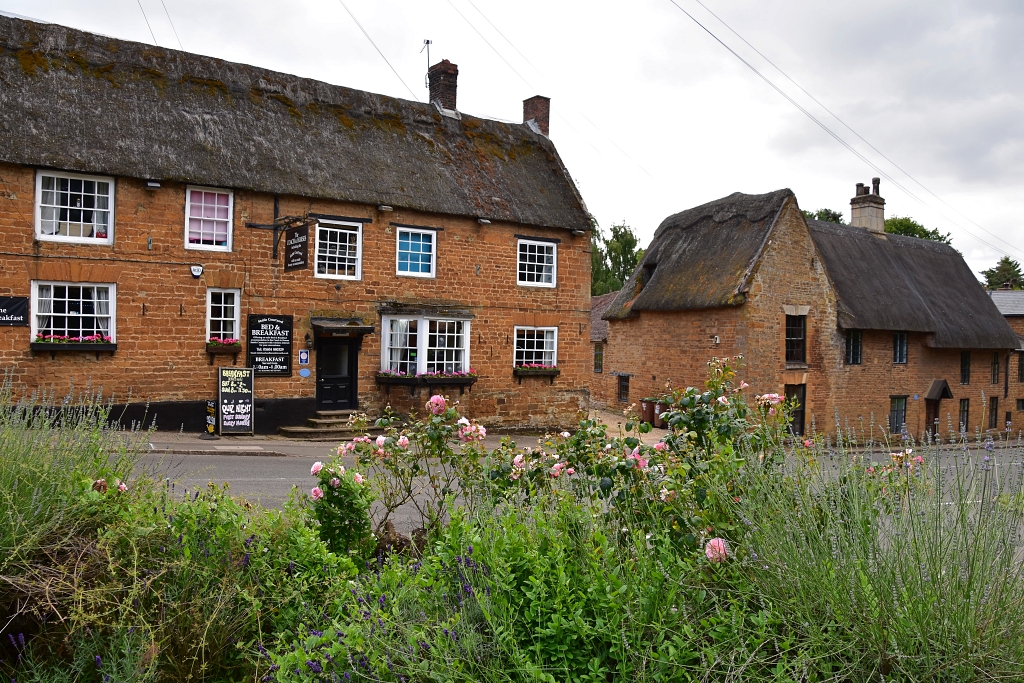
(821, 125)
(378, 50)
(845, 125)
(152, 35)
(172, 25)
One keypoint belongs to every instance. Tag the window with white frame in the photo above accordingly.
(208, 218)
(536, 346)
(74, 208)
(538, 263)
(418, 345)
(339, 250)
(72, 311)
(416, 252)
(222, 313)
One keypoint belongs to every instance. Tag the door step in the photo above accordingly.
(335, 413)
(328, 425)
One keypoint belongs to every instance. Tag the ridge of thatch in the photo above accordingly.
(83, 102)
(893, 282)
(701, 257)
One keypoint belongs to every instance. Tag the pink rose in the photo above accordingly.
(557, 469)
(122, 487)
(357, 478)
(437, 404)
(660, 446)
(808, 443)
(743, 385)
(723, 400)
(403, 441)
(381, 440)
(571, 471)
(716, 550)
(335, 482)
(317, 493)
(565, 435)
(919, 460)
(641, 463)
(315, 469)
(518, 462)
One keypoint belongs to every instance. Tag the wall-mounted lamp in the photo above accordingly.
(309, 341)
(579, 232)
(715, 339)
(483, 221)
(385, 207)
(152, 184)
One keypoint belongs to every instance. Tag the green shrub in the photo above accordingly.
(341, 504)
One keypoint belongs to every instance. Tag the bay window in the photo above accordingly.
(414, 346)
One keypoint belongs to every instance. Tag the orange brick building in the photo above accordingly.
(145, 195)
(859, 326)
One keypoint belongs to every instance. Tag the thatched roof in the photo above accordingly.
(84, 102)
(894, 282)
(702, 257)
(598, 325)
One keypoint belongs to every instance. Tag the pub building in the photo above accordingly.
(168, 214)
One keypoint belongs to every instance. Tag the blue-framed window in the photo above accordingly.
(416, 251)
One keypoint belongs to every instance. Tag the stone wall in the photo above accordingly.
(161, 308)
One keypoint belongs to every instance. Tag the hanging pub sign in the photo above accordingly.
(235, 400)
(269, 350)
(296, 248)
(14, 311)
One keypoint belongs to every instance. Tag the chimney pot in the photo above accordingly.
(443, 78)
(867, 208)
(538, 109)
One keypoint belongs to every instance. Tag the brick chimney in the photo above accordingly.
(867, 208)
(443, 77)
(538, 110)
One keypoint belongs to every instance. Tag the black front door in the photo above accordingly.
(931, 415)
(336, 372)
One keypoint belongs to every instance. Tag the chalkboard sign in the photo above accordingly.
(14, 311)
(211, 417)
(270, 345)
(296, 248)
(235, 400)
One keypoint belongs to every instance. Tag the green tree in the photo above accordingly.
(1006, 271)
(904, 225)
(613, 259)
(827, 215)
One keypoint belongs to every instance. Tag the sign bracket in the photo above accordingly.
(280, 225)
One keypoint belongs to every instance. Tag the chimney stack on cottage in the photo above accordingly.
(443, 78)
(538, 110)
(867, 208)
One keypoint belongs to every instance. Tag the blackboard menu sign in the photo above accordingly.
(270, 345)
(235, 400)
(14, 311)
(296, 248)
(211, 417)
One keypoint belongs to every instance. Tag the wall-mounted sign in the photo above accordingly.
(235, 400)
(303, 356)
(197, 271)
(269, 349)
(14, 311)
(296, 248)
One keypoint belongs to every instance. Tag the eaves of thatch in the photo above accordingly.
(83, 102)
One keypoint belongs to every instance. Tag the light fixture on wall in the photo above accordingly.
(483, 221)
(385, 207)
(579, 232)
(152, 184)
(309, 341)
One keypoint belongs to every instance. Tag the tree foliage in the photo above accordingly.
(824, 215)
(1006, 271)
(613, 259)
(905, 225)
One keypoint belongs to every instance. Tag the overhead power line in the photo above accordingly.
(378, 50)
(180, 46)
(825, 128)
(152, 35)
(847, 126)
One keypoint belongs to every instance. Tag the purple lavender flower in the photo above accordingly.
(99, 661)
(314, 666)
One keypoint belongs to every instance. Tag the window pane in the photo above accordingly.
(536, 263)
(535, 346)
(80, 209)
(73, 312)
(337, 251)
(402, 346)
(415, 250)
(796, 332)
(222, 316)
(445, 346)
(209, 221)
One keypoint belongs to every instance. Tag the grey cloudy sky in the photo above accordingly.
(651, 115)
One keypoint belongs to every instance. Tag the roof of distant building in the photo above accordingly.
(1010, 302)
(598, 325)
(82, 102)
(705, 257)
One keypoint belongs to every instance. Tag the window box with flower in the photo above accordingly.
(536, 370)
(222, 346)
(457, 378)
(54, 343)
